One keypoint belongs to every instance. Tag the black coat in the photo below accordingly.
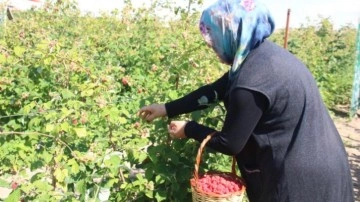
(293, 151)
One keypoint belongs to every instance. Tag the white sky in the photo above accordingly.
(340, 12)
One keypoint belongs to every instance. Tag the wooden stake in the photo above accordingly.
(287, 29)
(355, 98)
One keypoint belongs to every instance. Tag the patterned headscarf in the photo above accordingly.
(235, 27)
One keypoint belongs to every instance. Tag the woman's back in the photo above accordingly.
(299, 151)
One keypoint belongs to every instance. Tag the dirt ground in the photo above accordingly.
(350, 133)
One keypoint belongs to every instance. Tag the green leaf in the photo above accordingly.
(160, 196)
(38, 53)
(19, 51)
(2, 59)
(47, 157)
(141, 157)
(60, 174)
(4, 183)
(43, 45)
(122, 120)
(37, 177)
(65, 126)
(34, 122)
(74, 166)
(66, 112)
(87, 93)
(196, 115)
(27, 108)
(123, 185)
(113, 161)
(111, 183)
(173, 95)
(125, 112)
(80, 186)
(80, 132)
(42, 185)
(66, 94)
(159, 179)
(49, 128)
(48, 60)
(14, 196)
(149, 193)
(22, 154)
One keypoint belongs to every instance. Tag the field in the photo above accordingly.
(71, 84)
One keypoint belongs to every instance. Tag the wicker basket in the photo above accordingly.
(200, 196)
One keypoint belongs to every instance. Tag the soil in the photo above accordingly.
(350, 133)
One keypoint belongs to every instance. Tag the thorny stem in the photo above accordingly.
(40, 134)
(122, 175)
(113, 145)
(177, 82)
(52, 170)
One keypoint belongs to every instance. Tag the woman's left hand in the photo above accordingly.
(177, 129)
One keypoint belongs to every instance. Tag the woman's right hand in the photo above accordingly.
(151, 112)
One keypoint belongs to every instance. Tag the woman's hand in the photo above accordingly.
(151, 112)
(177, 129)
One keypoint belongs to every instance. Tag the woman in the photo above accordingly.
(286, 145)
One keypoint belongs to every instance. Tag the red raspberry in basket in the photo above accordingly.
(218, 184)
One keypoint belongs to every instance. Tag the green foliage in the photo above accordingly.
(70, 88)
(71, 85)
(330, 56)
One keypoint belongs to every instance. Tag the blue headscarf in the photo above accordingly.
(235, 27)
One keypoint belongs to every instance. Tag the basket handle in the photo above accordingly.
(198, 157)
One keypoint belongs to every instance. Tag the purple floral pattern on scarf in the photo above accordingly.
(248, 5)
(235, 27)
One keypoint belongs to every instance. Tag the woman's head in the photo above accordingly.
(234, 27)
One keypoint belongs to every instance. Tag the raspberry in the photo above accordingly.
(218, 184)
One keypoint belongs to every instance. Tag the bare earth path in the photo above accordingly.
(350, 133)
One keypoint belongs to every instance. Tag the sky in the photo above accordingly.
(340, 12)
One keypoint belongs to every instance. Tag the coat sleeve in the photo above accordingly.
(244, 112)
(199, 99)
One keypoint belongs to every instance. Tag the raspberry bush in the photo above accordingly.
(71, 85)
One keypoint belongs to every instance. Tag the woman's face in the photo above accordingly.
(220, 57)
(219, 43)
